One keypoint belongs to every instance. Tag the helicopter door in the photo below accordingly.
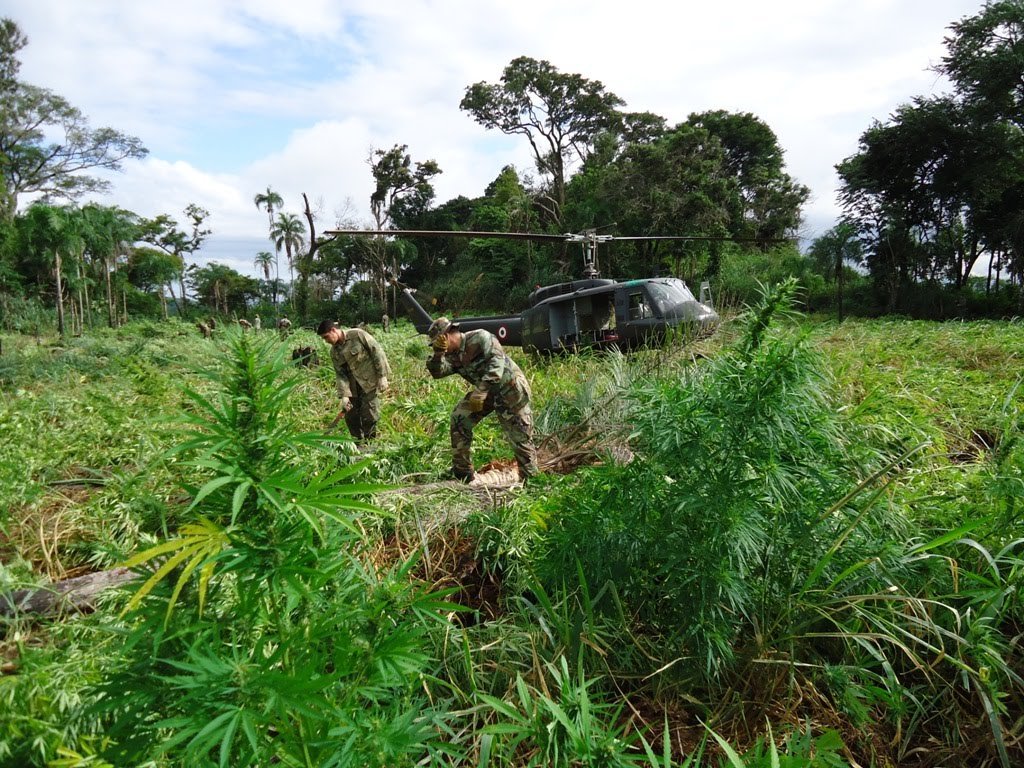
(585, 325)
(563, 324)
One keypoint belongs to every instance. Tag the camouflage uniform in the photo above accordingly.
(481, 361)
(359, 365)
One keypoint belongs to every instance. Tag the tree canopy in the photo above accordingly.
(940, 184)
(560, 114)
(31, 161)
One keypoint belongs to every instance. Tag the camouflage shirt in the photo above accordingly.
(359, 361)
(481, 360)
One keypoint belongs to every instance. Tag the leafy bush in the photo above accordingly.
(731, 503)
(261, 633)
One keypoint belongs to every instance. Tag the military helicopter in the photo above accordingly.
(589, 313)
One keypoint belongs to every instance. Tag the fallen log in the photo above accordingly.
(77, 594)
(483, 485)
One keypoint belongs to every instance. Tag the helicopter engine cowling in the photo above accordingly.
(509, 330)
(547, 291)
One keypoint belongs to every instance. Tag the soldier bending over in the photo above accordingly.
(499, 386)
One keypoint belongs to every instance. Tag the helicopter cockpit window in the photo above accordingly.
(671, 297)
(638, 306)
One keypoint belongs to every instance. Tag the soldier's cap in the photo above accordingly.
(439, 326)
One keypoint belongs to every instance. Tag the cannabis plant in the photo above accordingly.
(260, 634)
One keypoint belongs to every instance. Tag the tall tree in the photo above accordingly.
(833, 251)
(269, 201)
(560, 114)
(108, 233)
(675, 185)
(51, 233)
(223, 289)
(985, 61)
(398, 183)
(768, 200)
(165, 234)
(46, 144)
(264, 261)
(151, 270)
(287, 234)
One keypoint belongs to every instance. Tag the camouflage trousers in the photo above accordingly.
(517, 425)
(364, 414)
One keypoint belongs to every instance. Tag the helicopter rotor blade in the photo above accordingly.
(701, 238)
(449, 233)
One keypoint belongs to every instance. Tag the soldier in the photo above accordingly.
(498, 385)
(284, 327)
(204, 329)
(385, 322)
(246, 325)
(256, 323)
(361, 369)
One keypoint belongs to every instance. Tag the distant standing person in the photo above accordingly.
(256, 324)
(284, 326)
(499, 386)
(385, 322)
(361, 371)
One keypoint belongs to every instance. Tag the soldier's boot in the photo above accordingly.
(463, 475)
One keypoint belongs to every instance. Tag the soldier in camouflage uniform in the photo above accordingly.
(362, 372)
(499, 386)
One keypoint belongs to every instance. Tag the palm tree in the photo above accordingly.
(287, 233)
(263, 261)
(269, 200)
(109, 232)
(49, 232)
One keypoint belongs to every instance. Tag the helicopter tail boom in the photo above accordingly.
(507, 329)
(421, 320)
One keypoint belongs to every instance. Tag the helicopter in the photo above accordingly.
(588, 313)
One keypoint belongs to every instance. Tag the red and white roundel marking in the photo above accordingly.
(502, 332)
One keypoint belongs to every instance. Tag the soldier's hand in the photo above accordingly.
(346, 404)
(440, 343)
(476, 400)
(382, 384)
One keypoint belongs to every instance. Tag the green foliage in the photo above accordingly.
(725, 513)
(559, 724)
(895, 618)
(47, 143)
(561, 114)
(931, 190)
(801, 750)
(744, 273)
(303, 653)
(43, 699)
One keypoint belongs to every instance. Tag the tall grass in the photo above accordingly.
(260, 633)
(817, 531)
(753, 548)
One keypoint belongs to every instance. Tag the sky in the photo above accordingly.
(232, 97)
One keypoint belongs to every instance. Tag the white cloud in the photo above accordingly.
(233, 96)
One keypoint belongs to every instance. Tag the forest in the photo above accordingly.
(794, 541)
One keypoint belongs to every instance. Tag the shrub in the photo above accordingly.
(261, 633)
